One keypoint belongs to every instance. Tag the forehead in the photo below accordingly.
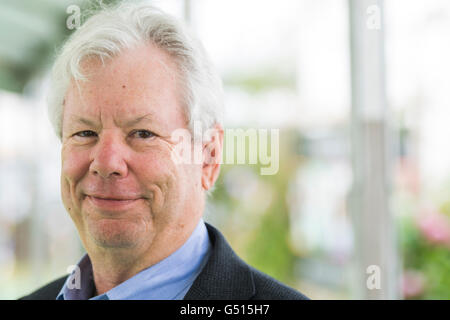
(140, 80)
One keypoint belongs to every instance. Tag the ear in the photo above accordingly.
(212, 155)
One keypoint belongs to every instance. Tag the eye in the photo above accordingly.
(86, 134)
(143, 134)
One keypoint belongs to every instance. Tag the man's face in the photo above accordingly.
(119, 183)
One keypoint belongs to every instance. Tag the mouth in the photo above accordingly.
(112, 204)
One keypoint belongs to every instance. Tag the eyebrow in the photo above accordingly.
(85, 121)
(130, 123)
(133, 122)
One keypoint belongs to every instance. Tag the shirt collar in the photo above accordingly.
(169, 279)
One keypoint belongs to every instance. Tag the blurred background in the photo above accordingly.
(360, 93)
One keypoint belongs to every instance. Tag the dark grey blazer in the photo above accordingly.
(224, 277)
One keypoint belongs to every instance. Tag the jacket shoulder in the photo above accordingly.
(226, 276)
(48, 291)
(268, 288)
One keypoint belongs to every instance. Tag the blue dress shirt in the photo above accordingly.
(169, 279)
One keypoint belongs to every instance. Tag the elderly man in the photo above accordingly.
(124, 82)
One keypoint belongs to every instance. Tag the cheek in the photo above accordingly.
(153, 164)
(160, 177)
(75, 164)
(74, 167)
(156, 172)
(170, 180)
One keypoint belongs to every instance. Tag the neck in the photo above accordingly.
(112, 266)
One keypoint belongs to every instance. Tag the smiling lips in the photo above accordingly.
(109, 203)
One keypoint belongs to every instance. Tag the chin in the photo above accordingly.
(115, 233)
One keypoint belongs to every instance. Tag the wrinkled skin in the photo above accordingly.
(132, 205)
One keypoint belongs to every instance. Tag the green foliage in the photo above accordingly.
(269, 250)
(262, 80)
(432, 260)
(261, 238)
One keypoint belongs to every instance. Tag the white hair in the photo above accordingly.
(129, 24)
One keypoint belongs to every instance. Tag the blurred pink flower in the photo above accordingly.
(413, 284)
(435, 227)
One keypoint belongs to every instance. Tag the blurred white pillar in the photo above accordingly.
(376, 266)
(187, 11)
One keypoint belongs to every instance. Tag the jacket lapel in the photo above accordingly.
(225, 276)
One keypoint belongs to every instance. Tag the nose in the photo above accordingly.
(108, 157)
